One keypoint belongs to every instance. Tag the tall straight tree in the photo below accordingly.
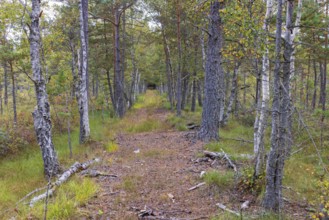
(83, 73)
(41, 113)
(213, 94)
(261, 121)
(179, 69)
(280, 135)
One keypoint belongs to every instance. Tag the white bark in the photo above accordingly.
(41, 113)
(76, 167)
(295, 32)
(83, 91)
(265, 88)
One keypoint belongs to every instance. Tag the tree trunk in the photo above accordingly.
(13, 92)
(179, 73)
(307, 82)
(323, 83)
(185, 81)
(232, 95)
(199, 84)
(168, 69)
(280, 115)
(5, 81)
(119, 101)
(213, 78)
(260, 127)
(315, 85)
(41, 113)
(83, 76)
(1, 105)
(195, 80)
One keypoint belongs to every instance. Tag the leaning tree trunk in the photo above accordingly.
(83, 76)
(259, 149)
(41, 113)
(213, 76)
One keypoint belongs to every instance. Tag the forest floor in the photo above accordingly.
(155, 170)
(156, 160)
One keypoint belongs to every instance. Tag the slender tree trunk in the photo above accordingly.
(83, 76)
(1, 104)
(185, 81)
(315, 85)
(195, 80)
(179, 73)
(323, 82)
(213, 78)
(260, 127)
(168, 70)
(68, 124)
(234, 89)
(307, 82)
(41, 114)
(73, 68)
(199, 93)
(280, 115)
(5, 80)
(13, 92)
(119, 103)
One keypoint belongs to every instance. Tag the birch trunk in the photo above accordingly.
(83, 77)
(41, 113)
(214, 76)
(261, 121)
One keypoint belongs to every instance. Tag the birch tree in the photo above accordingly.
(83, 74)
(261, 121)
(281, 110)
(41, 113)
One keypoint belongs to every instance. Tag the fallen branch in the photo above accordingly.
(96, 173)
(196, 186)
(222, 155)
(76, 167)
(231, 164)
(223, 207)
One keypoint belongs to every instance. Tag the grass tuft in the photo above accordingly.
(219, 179)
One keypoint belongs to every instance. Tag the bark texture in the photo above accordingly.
(261, 121)
(280, 136)
(119, 101)
(41, 114)
(214, 74)
(83, 76)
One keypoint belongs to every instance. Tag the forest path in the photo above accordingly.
(155, 171)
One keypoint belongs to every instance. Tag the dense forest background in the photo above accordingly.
(249, 77)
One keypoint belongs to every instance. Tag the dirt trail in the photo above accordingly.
(155, 171)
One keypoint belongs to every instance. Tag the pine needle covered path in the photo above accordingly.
(155, 170)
